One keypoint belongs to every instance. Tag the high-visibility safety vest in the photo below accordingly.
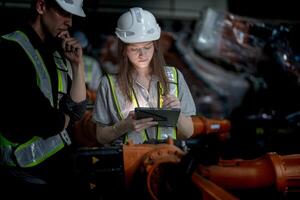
(162, 132)
(37, 149)
(88, 68)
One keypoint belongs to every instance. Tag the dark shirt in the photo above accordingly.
(25, 111)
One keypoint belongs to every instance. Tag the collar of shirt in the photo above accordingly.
(154, 80)
(146, 98)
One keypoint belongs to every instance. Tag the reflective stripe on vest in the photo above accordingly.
(163, 132)
(88, 68)
(37, 149)
(62, 72)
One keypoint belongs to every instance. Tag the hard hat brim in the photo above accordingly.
(75, 10)
(135, 39)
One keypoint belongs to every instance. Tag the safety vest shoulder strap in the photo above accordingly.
(112, 86)
(172, 75)
(62, 73)
(43, 79)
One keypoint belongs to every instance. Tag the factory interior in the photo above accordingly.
(241, 61)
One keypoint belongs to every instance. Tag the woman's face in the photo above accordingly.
(140, 54)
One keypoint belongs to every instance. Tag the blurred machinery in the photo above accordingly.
(252, 65)
(191, 169)
(271, 171)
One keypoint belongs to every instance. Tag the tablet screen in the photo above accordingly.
(164, 116)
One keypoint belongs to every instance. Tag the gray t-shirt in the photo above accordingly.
(106, 114)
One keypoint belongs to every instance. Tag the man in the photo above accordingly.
(39, 102)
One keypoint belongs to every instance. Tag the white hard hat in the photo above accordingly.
(72, 6)
(137, 25)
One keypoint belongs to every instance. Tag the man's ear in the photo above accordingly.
(40, 6)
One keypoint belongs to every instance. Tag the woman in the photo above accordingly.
(143, 80)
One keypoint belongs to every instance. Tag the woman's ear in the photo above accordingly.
(40, 6)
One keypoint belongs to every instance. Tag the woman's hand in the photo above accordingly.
(170, 101)
(185, 126)
(138, 125)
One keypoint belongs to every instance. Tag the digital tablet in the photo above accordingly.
(164, 116)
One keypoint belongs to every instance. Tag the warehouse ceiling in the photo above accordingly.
(102, 14)
(278, 10)
(174, 9)
(186, 9)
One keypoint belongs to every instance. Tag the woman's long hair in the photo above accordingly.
(126, 69)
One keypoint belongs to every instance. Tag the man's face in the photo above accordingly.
(56, 20)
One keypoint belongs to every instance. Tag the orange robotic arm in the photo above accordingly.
(204, 126)
(270, 169)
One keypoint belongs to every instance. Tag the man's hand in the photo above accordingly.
(71, 48)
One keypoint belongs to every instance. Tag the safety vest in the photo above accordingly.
(88, 68)
(37, 149)
(162, 132)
